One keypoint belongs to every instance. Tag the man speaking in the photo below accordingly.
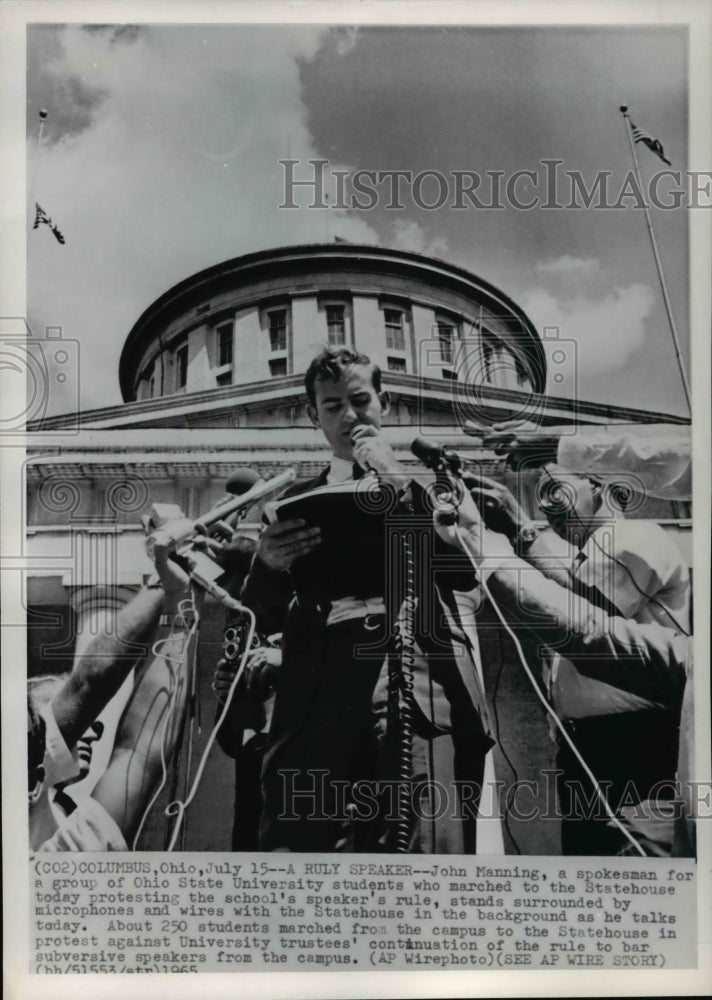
(379, 731)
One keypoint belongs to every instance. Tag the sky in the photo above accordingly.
(161, 149)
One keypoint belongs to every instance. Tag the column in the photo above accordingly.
(427, 361)
(309, 333)
(369, 329)
(251, 348)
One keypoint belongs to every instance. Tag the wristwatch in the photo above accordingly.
(524, 537)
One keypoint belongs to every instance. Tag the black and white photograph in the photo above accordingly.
(355, 447)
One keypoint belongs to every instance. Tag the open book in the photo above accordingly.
(350, 560)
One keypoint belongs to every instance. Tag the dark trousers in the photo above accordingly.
(633, 757)
(330, 782)
(248, 793)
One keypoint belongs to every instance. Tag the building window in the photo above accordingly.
(278, 366)
(395, 329)
(445, 336)
(337, 314)
(225, 344)
(182, 366)
(336, 325)
(448, 332)
(396, 364)
(448, 373)
(277, 320)
(224, 379)
(151, 386)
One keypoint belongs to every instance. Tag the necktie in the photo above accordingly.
(357, 472)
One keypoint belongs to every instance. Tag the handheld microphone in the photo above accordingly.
(250, 495)
(448, 488)
(430, 453)
(184, 529)
(354, 441)
(241, 481)
(435, 456)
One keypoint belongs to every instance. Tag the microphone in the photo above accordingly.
(179, 539)
(430, 453)
(446, 466)
(250, 495)
(184, 529)
(241, 481)
(354, 440)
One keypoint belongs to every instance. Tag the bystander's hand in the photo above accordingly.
(499, 508)
(174, 580)
(523, 444)
(452, 522)
(261, 670)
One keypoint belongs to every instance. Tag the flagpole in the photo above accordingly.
(36, 171)
(658, 262)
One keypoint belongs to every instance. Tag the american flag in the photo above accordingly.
(653, 144)
(41, 217)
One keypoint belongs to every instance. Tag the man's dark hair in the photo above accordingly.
(330, 365)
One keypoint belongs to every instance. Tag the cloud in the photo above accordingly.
(170, 165)
(410, 235)
(578, 268)
(588, 335)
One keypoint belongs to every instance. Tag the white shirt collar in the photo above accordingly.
(340, 470)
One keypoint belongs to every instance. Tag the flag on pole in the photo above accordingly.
(41, 217)
(653, 144)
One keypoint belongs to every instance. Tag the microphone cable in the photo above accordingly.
(507, 799)
(158, 649)
(547, 707)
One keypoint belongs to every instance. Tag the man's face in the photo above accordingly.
(341, 405)
(85, 747)
(569, 503)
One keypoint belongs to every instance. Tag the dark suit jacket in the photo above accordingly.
(447, 692)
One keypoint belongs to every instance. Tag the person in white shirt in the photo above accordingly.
(631, 570)
(651, 660)
(634, 570)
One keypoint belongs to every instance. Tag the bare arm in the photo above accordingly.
(149, 727)
(649, 660)
(101, 670)
(147, 734)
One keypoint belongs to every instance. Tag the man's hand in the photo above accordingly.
(223, 677)
(261, 670)
(259, 676)
(174, 580)
(523, 444)
(500, 510)
(468, 522)
(372, 451)
(284, 541)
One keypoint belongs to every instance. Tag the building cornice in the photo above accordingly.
(186, 409)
